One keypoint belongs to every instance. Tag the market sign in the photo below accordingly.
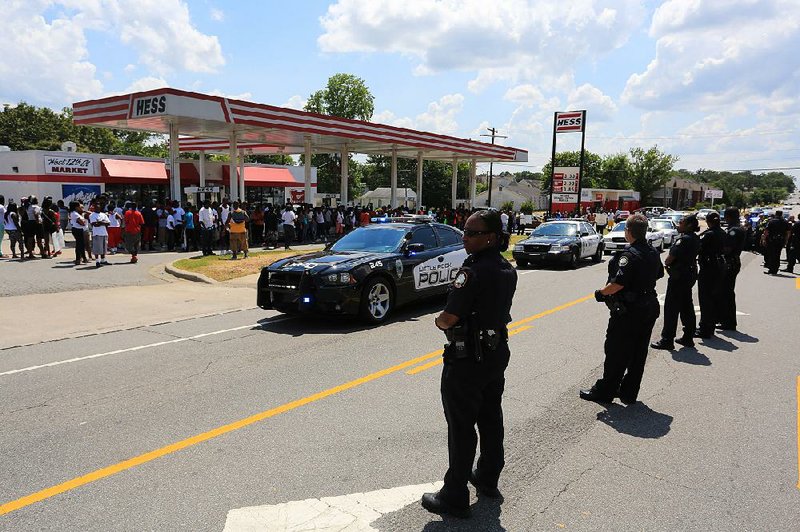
(200, 190)
(569, 122)
(56, 164)
(713, 194)
(566, 179)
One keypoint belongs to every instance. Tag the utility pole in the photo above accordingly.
(494, 135)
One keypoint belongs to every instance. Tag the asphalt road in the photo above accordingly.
(712, 446)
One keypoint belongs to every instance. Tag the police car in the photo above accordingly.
(615, 239)
(368, 272)
(565, 241)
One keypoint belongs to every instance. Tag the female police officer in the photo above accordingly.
(475, 359)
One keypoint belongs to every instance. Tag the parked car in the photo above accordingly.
(702, 213)
(621, 216)
(615, 239)
(564, 241)
(668, 229)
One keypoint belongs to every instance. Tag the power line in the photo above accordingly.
(494, 135)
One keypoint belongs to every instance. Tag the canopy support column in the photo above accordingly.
(174, 165)
(473, 168)
(393, 195)
(241, 175)
(420, 162)
(454, 183)
(345, 175)
(233, 181)
(307, 168)
(202, 174)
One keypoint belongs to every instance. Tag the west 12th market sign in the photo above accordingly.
(69, 165)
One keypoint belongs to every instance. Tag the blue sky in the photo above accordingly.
(715, 83)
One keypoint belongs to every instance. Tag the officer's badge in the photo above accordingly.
(623, 261)
(398, 268)
(462, 277)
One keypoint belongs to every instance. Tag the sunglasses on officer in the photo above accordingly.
(472, 232)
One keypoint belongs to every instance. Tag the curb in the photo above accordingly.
(189, 276)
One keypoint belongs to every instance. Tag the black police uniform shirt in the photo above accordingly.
(735, 238)
(637, 268)
(684, 257)
(795, 238)
(777, 228)
(710, 247)
(485, 284)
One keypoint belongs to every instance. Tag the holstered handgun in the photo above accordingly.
(457, 346)
(616, 305)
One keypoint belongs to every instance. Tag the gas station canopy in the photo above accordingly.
(217, 124)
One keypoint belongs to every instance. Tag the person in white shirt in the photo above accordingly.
(179, 215)
(99, 222)
(288, 217)
(600, 221)
(171, 230)
(224, 213)
(504, 220)
(206, 218)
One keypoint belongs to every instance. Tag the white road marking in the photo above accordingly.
(136, 348)
(346, 512)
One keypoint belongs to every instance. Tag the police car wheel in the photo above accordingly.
(376, 301)
(522, 264)
(597, 257)
(573, 259)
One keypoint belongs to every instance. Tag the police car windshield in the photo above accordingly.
(619, 227)
(557, 229)
(378, 240)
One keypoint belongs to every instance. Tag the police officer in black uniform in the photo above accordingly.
(475, 358)
(709, 280)
(630, 295)
(776, 235)
(793, 248)
(732, 246)
(682, 269)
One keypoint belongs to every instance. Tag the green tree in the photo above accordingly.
(345, 96)
(592, 164)
(615, 172)
(650, 170)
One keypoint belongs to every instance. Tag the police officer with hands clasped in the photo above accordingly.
(682, 269)
(475, 358)
(630, 295)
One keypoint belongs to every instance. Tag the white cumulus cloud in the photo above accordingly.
(512, 40)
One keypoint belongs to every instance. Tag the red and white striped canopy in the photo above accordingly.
(207, 123)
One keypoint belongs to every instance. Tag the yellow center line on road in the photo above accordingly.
(797, 283)
(141, 459)
(548, 312)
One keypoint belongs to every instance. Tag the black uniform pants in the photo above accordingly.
(772, 255)
(726, 302)
(627, 342)
(678, 302)
(472, 394)
(708, 286)
(791, 255)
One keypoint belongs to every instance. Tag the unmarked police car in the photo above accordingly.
(368, 272)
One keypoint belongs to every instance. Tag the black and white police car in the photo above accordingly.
(565, 241)
(615, 239)
(367, 272)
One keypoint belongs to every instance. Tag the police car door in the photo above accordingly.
(425, 265)
(591, 238)
(452, 251)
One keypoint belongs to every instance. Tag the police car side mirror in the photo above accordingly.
(414, 248)
(584, 233)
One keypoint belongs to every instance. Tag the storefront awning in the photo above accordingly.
(132, 171)
(266, 177)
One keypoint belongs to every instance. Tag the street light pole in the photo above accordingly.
(494, 135)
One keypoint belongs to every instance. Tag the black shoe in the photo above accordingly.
(698, 334)
(685, 341)
(726, 327)
(437, 505)
(484, 489)
(664, 344)
(787, 270)
(592, 395)
(628, 401)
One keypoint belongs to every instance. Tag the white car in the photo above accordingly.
(702, 213)
(668, 229)
(615, 239)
